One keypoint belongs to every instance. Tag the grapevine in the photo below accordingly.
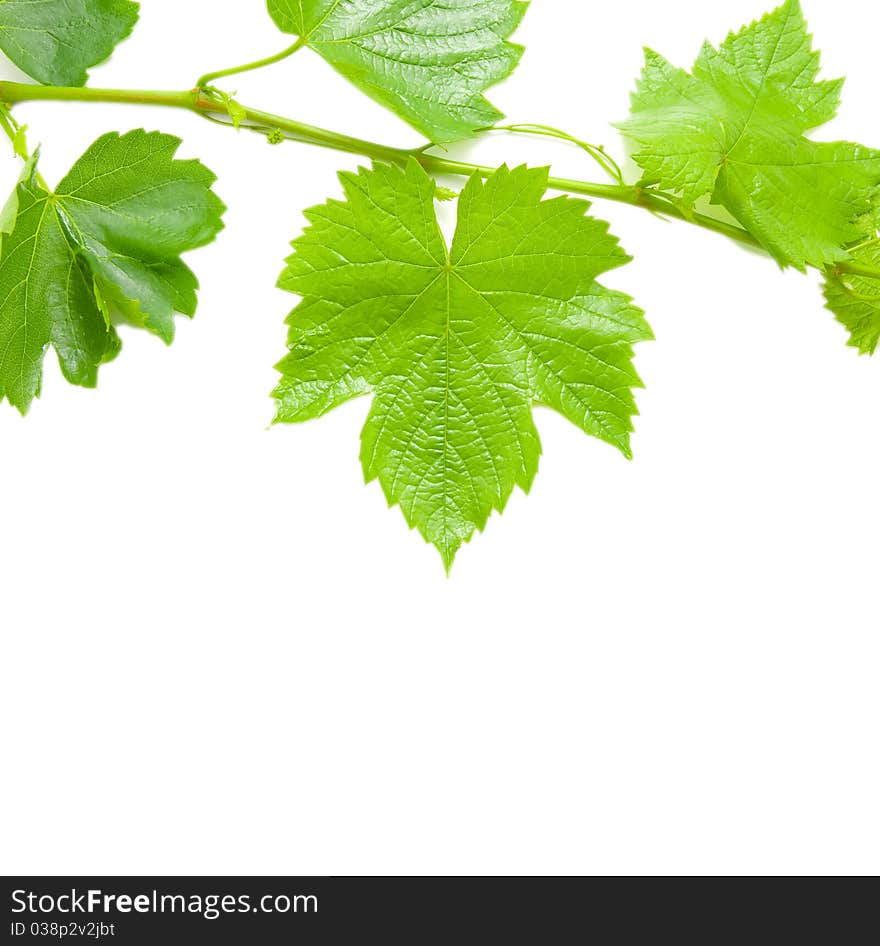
(455, 343)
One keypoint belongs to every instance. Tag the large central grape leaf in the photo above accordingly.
(457, 344)
(733, 129)
(103, 248)
(56, 41)
(426, 60)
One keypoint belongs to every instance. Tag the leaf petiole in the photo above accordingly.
(209, 77)
(856, 269)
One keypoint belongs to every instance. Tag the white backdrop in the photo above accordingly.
(222, 653)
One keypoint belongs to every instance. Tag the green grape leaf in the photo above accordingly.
(855, 300)
(56, 41)
(733, 129)
(104, 248)
(456, 344)
(428, 62)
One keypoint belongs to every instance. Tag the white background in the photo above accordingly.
(222, 653)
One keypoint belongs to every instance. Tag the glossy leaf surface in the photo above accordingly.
(104, 248)
(57, 41)
(429, 62)
(734, 128)
(456, 344)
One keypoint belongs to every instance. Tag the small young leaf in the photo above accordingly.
(104, 247)
(457, 344)
(56, 41)
(235, 110)
(855, 300)
(733, 129)
(428, 62)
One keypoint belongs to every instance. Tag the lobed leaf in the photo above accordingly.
(57, 41)
(456, 344)
(104, 248)
(734, 128)
(855, 300)
(428, 62)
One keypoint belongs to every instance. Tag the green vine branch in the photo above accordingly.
(208, 104)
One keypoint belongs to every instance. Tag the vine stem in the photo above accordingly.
(198, 101)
